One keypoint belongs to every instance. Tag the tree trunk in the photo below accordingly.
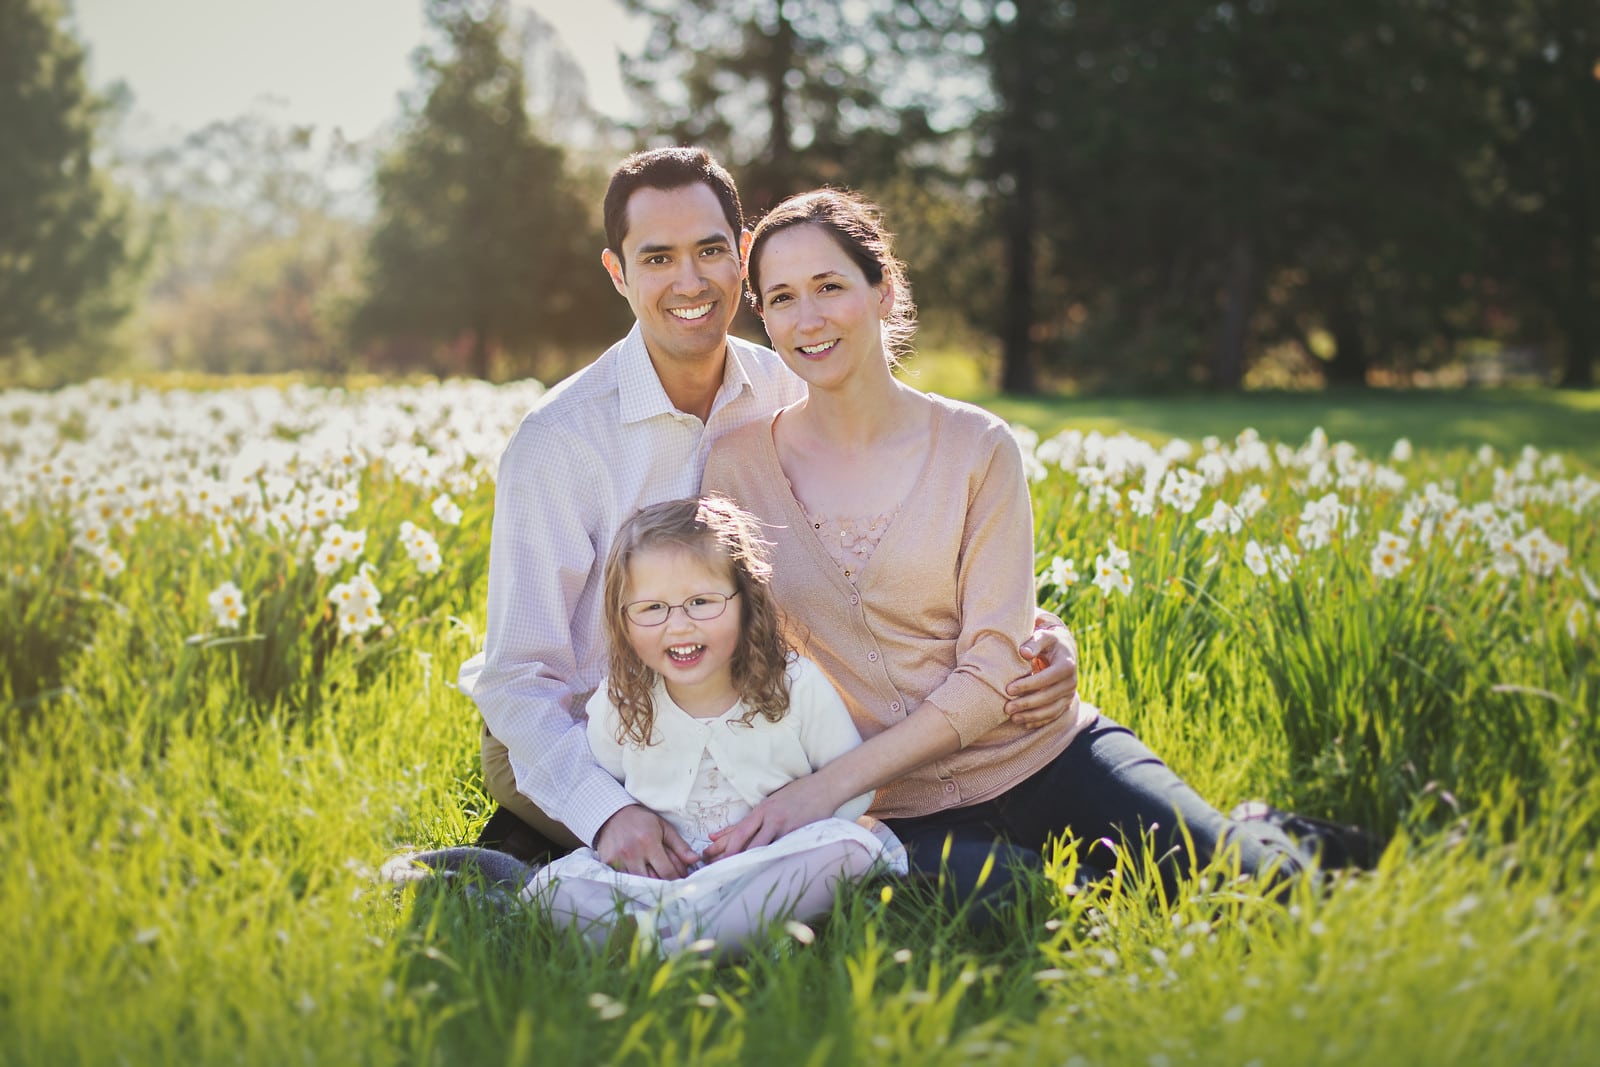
(1579, 326)
(1018, 134)
(1016, 329)
(482, 353)
(1350, 357)
(1227, 371)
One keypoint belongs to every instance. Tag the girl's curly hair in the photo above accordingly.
(724, 535)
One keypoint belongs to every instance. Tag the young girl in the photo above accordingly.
(706, 710)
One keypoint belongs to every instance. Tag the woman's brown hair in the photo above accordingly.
(723, 534)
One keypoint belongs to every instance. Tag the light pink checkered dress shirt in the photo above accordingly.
(597, 447)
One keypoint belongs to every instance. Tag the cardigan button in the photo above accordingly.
(872, 657)
(895, 706)
(949, 787)
(854, 599)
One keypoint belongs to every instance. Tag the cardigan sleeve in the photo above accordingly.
(994, 588)
(825, 727)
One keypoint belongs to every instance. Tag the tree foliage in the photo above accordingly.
(258, 249)
(1190, 186)
(67, 247)
(784, 91)
(1542, 68)
(480, 230)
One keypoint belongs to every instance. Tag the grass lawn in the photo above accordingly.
(204, 759)
(1507, 419)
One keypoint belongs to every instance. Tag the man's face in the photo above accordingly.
(679, 267)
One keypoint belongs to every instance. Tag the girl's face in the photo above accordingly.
(693, 656)
(822, 314)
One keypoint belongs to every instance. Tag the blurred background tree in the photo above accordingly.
(260, 240)
(1089, 195)
(69, 254)
(480, 235)
(1542, 67)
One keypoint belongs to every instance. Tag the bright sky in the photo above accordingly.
(329, 63)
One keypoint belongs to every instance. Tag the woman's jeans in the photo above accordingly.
(1108, 790)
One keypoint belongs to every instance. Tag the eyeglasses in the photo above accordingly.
(702, 607)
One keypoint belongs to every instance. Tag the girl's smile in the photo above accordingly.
(694, 657)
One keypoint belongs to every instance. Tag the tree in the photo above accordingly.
(256, 259)
(67, 248)
(1544, 184)
(789, 94)
(480, 233)
(1194, 183)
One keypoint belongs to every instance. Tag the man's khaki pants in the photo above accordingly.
(501, 783)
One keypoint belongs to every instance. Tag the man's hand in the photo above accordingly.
(1050, 689)
(797, 804)
(638, 841)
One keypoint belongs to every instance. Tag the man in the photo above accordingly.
(633, 428)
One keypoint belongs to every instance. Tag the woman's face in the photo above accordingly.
(822, 314)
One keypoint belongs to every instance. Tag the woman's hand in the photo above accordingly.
(803, 801)
(1050, 689)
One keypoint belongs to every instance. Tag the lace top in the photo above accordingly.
(851, 542)
(712, 805)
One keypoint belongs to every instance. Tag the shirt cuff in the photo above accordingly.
(971, 707)
(594, 799)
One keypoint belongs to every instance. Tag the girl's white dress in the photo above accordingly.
(706, 774)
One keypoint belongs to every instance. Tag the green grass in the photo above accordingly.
(191, 826)
(1372, 419)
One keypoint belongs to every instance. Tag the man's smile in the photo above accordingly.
(693, 314)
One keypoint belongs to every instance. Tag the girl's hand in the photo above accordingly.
(797, 804)
(1050, 689)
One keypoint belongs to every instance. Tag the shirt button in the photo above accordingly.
(872, 657)
(949, 787)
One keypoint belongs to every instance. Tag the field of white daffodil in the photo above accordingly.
(232, 623)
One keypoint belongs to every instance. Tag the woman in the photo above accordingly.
(903, 554)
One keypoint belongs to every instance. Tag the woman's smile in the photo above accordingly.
(817, 351)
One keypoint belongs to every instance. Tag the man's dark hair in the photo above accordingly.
(667, 168)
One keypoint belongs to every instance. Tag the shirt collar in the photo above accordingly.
(640, 390)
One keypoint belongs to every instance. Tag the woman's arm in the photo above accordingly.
(993, 587)
(922, 736)
(826, 730)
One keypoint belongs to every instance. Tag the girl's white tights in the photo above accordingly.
(800, 886)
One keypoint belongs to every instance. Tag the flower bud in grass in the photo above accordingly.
(606, 1007)
(111, 562)
(227, 605)
(1389, 555)
(1577, 619)
(800, 932)
(446, 510)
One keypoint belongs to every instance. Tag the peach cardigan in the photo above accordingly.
(936, 614)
